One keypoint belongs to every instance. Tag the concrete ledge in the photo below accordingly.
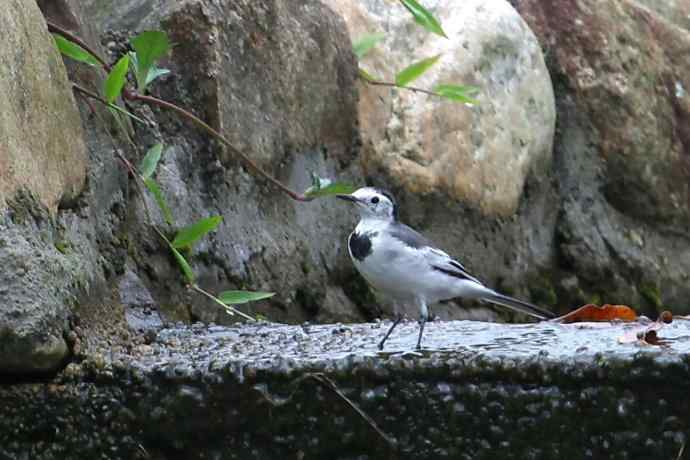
(478, 391)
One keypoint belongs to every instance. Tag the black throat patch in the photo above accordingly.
(360, 244)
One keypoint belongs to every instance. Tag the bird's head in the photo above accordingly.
(373, 203)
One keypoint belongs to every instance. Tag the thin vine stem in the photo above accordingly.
(54, 28)
(206, 127)
(222, 304)
(138, 177)
(134, 96)
(91, 94)
(394, 85)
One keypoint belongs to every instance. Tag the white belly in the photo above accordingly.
(405, 275)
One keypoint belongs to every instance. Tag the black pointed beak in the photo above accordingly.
(348, 198)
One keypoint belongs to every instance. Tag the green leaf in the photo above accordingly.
(325, 187)
(184, 265)
(414, 71)
(150, 161)
(116, 79)
(367, 76)
(152, 186)
(190, 234)
(74, 51)
(238, 297)
(154, 73)
(365, 43)
(149, 46)
(423, 17)
(458, 93)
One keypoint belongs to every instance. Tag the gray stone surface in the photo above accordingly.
(35, 295)
(477, 391)
(278, 82)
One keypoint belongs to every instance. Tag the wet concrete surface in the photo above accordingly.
(476, 391)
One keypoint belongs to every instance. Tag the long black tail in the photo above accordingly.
(519, 306)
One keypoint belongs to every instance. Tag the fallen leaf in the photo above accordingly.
(591, 312)
(648, 335)
(652, 338)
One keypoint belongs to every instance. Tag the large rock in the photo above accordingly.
(624, 56)
(275, 77)
(622, 76)
(36, 295)
(483, 155)
(676, 11)
(43, 150)
(42, 167)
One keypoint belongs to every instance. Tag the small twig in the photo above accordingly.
(680, 452)
(90, 94)
(203, 125)
(128, 164)
(144, 451)
(54, 28)
(138, 180)
(85, 92)
(326, 381)
(393, 85)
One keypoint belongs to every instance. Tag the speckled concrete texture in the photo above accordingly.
(477, 391)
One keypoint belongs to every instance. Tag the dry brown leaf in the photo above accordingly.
(591, 312)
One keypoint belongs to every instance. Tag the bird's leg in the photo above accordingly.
(422, 322)
(398, 317)
(423, 316)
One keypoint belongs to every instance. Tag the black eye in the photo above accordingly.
(375, 200)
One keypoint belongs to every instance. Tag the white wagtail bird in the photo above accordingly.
(407, 268)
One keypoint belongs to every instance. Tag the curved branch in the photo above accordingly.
(203, 125)
(206, 127)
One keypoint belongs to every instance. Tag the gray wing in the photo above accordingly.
(442, 262)
(438, 259)
(409, 236)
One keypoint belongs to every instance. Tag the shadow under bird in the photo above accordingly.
(407, 268)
